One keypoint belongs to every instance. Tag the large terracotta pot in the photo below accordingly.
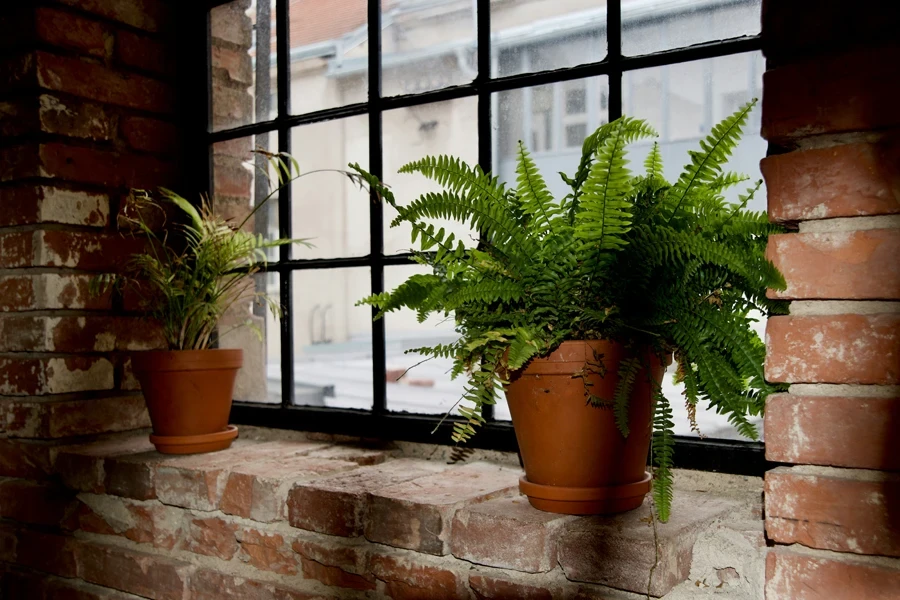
(576, 460)
(188, 395)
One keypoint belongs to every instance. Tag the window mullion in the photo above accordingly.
(614, 56)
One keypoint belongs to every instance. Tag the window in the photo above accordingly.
(383, 83)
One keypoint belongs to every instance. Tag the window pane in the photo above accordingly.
(426, 387)
(553, 121)
(259, 380)
(427, 46)
(332, 338)
(655, 26)
(411, 134)
(243, 88)
(326, 206)
(542, 35)
(329, 54)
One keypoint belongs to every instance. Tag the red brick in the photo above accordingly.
(31, 204)
(337, 505)
(82, 467)
(150, 135)
(16, 249)
(27, 333)
(75, 118)
(833, 349)
(105, 167)
(47, 552)
(833, 509)
(143, 52)
(70, 31)
(97, 82)
(62, 589)
(213, 537)
(38, 376)
(335, 563)
(494, 588)
(825, 430)
(417, 514)
(267, 551)
(230, 23)
(32, 502)
(236, 64)
(24, 458)
(839, 181)
(507, 533)
(143, 522)
(8, 541)
(54, 248)
(135, 572)
(210, 585)
(858, 265)
(16, 292)
(360, 455)
(57, 419)
(132, 476)
(798, 574)
(620, 551)
(408, 579)
(231, 107)
(259, 490)
(49, 291)
(335, 576)
(150, 15)
(231, 179)
(850, 92)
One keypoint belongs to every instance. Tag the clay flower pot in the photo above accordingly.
(576, 460)
(188, 395)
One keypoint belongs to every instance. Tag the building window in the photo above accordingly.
(384, 83)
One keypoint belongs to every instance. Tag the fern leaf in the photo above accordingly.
(653, 162)
(628, 370)
(534, 196)
(663, 450)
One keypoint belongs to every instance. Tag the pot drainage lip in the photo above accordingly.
(581, 494)
(192, 444)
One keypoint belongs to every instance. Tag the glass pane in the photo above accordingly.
(411, 134)
(553, 121)
(655, 26)
(329, 54)
(243, 88)
(328, 208)
(414, 387)
(259, 380)
(332, 338)
(427, 46)
(543, 35)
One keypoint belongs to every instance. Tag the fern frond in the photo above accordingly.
(534, 197)
(628, 370)
(663, 450)
(653, 162)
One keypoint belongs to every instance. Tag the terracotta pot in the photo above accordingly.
(188, 395)
(576, 460)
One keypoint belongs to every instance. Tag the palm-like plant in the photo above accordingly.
(633, 258)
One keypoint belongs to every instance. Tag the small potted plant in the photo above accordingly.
(574, 307)
(187, 280)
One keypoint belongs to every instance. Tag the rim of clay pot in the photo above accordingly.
(188, 360)
(583, 494)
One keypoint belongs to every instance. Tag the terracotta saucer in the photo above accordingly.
(195, 444)
(586, 501)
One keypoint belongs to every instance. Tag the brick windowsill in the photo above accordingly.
(292, 515)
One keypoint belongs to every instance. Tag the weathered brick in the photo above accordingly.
(259, 490)
(27, 205)
(150, 135)
(833, 509)
(74, 118)
(25, 458)
(337, 505)
(110, 168)
(417, 515)
(826, 430)
(620, 551)
(143, 522)
(38, 376)
(831, 95)
(235, 63)
(83, 467)
(139, 573)
(406, 578)
(49, 291)
(64, 589)
(833, 349)
(857, 265)
(212, 536)
(28, 333)
(267, 550)
(150, 15)
(335, 564)
(231, 107)
(97, 82)
(38, 503)
(358, 454)
(487, 587)
(211, 585)
(54, 248)
(507, 533)
(56, 419)
(133, 475)
(73, 32)
(839, 181)
(144, 52)
(47, 552)
(798, 574)
(230, 23)
(8, 541)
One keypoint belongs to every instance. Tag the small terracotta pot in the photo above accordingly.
(576, 460)
(188, 395)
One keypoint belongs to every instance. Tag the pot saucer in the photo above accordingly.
(195, 444)
(586, 501)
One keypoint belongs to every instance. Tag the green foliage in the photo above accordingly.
(194, 271)
(672, 267)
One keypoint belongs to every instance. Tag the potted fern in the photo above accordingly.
(187, 283)
(574, 306)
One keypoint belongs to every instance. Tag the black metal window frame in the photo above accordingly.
(745, 458)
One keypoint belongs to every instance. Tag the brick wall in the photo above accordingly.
(831, 118)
